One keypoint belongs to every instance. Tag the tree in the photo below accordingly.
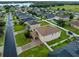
(61, 23)
(2, 23)
(23, 8)
(21, 22)
(15, 22)
(78, 18)
(7, 7)
(27, 34)
(58, 8)
(1, 31)
(71, 17)
(12, 9)
(63, 9)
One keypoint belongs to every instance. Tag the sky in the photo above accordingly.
(39, 0)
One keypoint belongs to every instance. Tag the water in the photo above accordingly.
(20, 4)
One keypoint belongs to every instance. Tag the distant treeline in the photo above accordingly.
(53, 3)
(44, 3)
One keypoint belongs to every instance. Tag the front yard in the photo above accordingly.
(38, 51)
(18, 27)
(21, 39)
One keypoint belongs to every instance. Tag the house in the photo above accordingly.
(57, 18)
(33, 25)
(65, 18)
(76, 15)
(47, 33)
(34, 35)
(75, 24)
(49, 16)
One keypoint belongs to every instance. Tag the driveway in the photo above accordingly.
(28, 46)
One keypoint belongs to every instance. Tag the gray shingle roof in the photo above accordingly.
(71, 50)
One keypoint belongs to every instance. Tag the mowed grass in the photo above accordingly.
(1, 40)
(42, 23)
(72, 29)
(38, 51)
(64, 43)
(68, 7)
(60, 45)
(21, 39)
(2, 37)
(62, 37)
(18, 27)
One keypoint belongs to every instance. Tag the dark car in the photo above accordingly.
(70, 33)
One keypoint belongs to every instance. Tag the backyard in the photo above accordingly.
(42, 23)
(21, 39)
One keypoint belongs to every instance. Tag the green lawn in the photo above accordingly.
(21, 40)
(62, 37)
(68, 7)
(2, 37)
(18, 27)
(64, 43)
(14, 17)
(0, 54)
(61, 45)
(43, 23)
(39, 51)
(1, 40)
(72, 29)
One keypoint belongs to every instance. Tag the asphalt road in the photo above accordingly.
(9, 44)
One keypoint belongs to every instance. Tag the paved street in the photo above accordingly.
(9, 44)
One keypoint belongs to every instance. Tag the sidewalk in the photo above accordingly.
(60, 42)
(18, 32)
(1, 50)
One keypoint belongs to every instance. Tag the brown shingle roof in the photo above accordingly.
(75, 23)
(33, 22)
(46, 30)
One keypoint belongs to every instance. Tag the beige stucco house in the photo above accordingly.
(75, 24)
(47, 33)
(33, 25)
